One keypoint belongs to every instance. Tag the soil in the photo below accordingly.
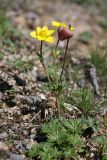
(24, 104)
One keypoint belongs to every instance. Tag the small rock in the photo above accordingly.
(33, 130)
(33, 99)
(34, 104)
(81, 83)
(41, 76)
(42, 96)
(3, 135)
(94, 79)
(15, 156)
(92, 155)
(12, 82)
(32, 136)
(25, 132)
(3, 147)
(71, 108)
(104, 110)
(30, 143)
(20, 147)
(75, 61)
(91, 76)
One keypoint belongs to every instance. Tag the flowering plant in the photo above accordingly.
(43, 34)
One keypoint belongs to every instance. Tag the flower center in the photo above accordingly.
(43, 33)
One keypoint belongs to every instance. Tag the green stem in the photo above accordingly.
(42, 61)
(63, 65)
(41, 46)
(57, 104)
(54, 54)
(57, 44)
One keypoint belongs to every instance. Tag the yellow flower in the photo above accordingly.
(43, 34)
(59, 24)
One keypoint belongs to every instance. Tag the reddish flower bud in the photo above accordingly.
(64, 33)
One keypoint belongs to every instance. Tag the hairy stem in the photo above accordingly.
(54, 54)
(57, 44)
(42, 61)
(57, 104)
(63, 65)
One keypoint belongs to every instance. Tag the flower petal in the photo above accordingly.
(40, 38)
(49, 39)
(63, 25)
(38, 30)
(43, 34)
(33, 34)
(72, 29)
(50, 32)
(64, 33)
(45, 28)
(55, 24)
(58, 24)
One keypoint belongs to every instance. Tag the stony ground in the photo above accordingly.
(22, 99)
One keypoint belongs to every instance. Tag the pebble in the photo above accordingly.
(75, 61)
(71, 108)
(42, 96)
(15, 157)
(3, 146)
(92, 155)
(30, 143)
(32, 104)
(33, 100)
(3, 136)
(20, 147)
(81, 82)
(32, 136)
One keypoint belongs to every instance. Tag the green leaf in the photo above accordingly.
(85, 37)
(47, 152)
(1, 56)
(55, 132)
(103, 23)
(21, 65)
(104, 157)
(34, 151)
(100, 140)
(70, 152)
(73, 126)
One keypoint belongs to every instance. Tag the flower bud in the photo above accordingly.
(64, 33)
